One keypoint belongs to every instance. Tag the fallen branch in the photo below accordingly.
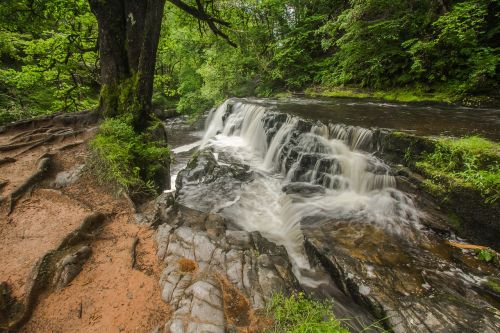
(467, 246)
(80, 310)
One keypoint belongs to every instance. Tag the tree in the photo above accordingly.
(129, 33)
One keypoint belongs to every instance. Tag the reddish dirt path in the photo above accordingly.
(107, 295)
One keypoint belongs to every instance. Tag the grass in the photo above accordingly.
(468, 162)
(126, 160)
(299, 314)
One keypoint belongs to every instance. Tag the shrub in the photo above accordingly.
(127, 160)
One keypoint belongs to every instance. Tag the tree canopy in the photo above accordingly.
(49, 59)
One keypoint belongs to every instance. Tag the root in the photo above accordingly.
(15, 146)
(35, 131)
(35, 140)
(14, 316)
(79, 119)
(133, 251)
(71, 145)
(43, 167)
(3, 183)
(7, 160)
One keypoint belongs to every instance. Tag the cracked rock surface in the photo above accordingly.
(216, 279)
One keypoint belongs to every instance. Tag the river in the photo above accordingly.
(347, 227)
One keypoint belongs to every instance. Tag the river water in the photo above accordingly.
(313, 180)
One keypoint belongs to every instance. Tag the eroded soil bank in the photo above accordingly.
(73, 257)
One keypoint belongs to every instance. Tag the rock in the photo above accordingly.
(204, 176)
(69, 266)
(66, 178)
(304, 189)
(204, 262)
(411, 289)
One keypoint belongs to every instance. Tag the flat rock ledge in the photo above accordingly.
(215, 279)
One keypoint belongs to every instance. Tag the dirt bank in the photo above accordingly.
(46, 194)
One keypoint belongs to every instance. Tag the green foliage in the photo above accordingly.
(298, 314)
(125, 159)
(47, 58)
(461, 49)
(402, 50)
(485, 255)
(471, 161)
(494, 284)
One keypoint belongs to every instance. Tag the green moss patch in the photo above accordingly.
(412, 94)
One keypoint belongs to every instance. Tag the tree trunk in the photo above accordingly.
(129, 31)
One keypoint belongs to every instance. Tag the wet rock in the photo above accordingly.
(208, 183)
(165, 113)
(205, 263)
(305, 189)
(415, 288)
(69, 266)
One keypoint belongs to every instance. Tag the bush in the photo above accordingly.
(127, 160)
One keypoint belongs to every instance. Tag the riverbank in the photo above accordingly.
(414, 95)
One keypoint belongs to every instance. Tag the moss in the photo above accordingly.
(494, 285)
(120, 98)
(298, 314)
(455, 221)
(283, 94)
(410, 94)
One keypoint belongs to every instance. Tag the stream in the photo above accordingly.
(305, 179)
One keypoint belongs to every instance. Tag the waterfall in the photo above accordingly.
(303, 170)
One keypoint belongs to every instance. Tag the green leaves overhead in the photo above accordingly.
(48, 57)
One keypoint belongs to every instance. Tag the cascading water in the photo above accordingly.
(303, 171)
(315, 189)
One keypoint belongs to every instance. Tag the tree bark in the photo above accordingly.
(129, 32)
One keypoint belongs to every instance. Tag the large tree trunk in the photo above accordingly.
(129, 31)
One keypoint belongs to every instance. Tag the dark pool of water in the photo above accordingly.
(418, 118)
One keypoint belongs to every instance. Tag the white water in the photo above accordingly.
(357, 186)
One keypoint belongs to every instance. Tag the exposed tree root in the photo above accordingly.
(3, 183)
(80, 119)
(133, 251)
(7, 160)
(43, 167)
(71, 145)
(15, 314)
